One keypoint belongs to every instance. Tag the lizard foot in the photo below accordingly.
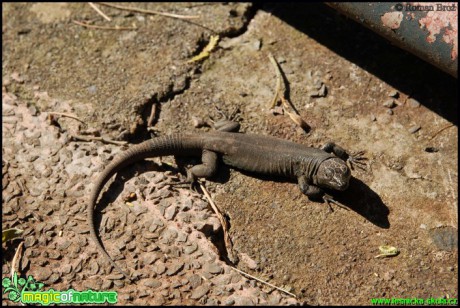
(357, 160)
(234, 116)
(328, 199)
(190, 182)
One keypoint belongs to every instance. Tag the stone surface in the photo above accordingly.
(111, 79)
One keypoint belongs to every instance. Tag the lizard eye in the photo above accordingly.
(329, 174)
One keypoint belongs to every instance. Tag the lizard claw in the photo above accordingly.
(357, 160)
(328, 199)
(190, 182)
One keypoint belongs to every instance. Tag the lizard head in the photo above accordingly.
(333, 173)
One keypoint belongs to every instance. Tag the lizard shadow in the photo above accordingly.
(359, 197)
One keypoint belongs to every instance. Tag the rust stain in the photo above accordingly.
(392, 20)
(441, 19)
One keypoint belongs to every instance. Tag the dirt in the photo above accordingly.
(340, 78)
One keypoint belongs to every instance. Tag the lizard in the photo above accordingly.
(315, 169)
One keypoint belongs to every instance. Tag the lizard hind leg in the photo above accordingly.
(206, 169)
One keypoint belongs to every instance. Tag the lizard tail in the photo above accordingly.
(162, 146)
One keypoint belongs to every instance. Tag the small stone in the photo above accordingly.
(30, 241)
(175, 268)
(149, 235)
(170, 212)
(212, 268)
(54, 255)
(229, 302)
(277, 110)
(190, 249)
(42, 274)
(66, 268)
(168, 235)
(115, 276)
(256, 45)
(200, 292)
(16, 77)
(196, 264)
(159, 268)
(53, 278)
(106, 284)
(413, 103)
(186, 205)
(152, 283)
(92, 89)
(138, 209)
(373, 118)
(422, 226)
(182, 237)
(150, 258)
(389, 103)
(275, 299)
(126, 297)
(194, 280)
(251, 263)
(198, 122)
(414, 129)
(393, 93)
(388, 275)
(94, 268)
(245, 301)
(390, 112)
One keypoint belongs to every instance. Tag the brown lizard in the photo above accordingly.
(313, 168)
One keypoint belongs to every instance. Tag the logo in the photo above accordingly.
(29, 291)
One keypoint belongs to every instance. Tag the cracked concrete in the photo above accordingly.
(122, 72)
(110, 79)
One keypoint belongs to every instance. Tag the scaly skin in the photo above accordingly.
(313, 168)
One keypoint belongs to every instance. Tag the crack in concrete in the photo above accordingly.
(171, 93)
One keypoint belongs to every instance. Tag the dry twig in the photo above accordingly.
(152, 115)
(16, 259)
(68, 115)
(132, 9)
(80, 23)
(92, 138)
(223, 222)
(99, 11)
(207, 50)
(278, 81)
(441, 130)
(264, 282)
(280, 95)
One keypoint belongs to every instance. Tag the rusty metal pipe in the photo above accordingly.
(427, 29)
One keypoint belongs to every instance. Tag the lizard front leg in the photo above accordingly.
(311, 191)
(316, 192)
(228, 123)
(354, 159)
(227, 126)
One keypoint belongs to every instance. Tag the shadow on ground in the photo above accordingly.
(359, 45)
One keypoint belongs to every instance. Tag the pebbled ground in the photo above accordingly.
(348, 85)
